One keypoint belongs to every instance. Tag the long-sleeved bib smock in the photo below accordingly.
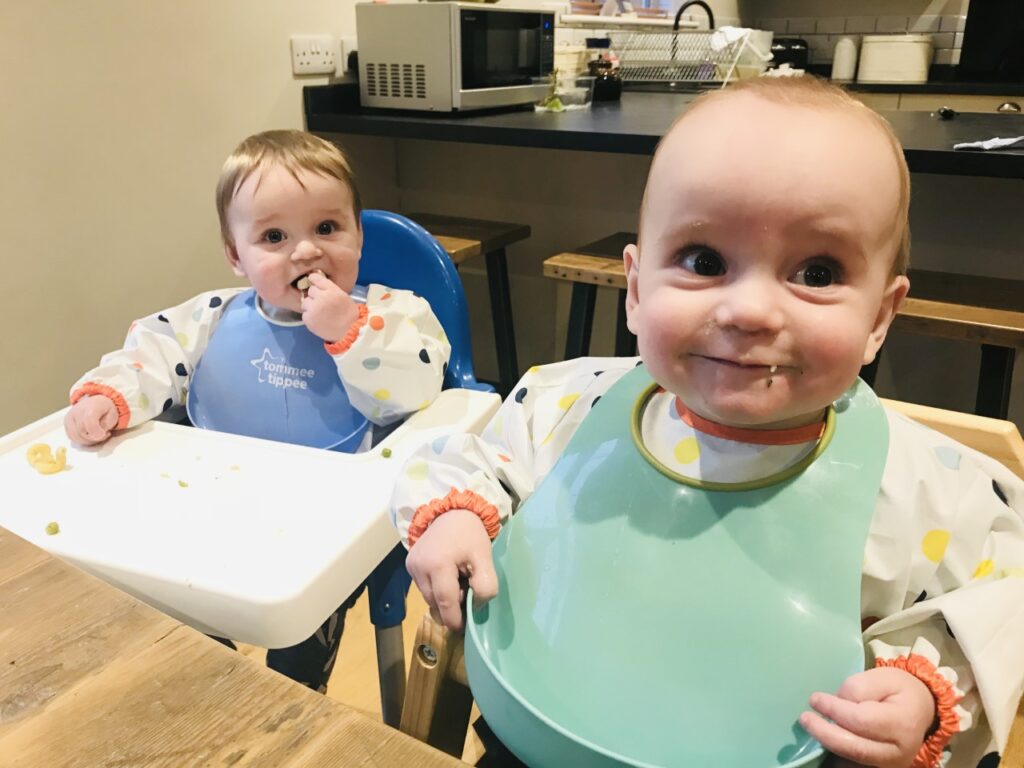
(391, 362)
(943, 572)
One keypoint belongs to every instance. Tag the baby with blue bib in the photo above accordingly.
(772, 253)
(302, 356)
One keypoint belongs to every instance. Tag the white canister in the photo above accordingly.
(895, 59)
(844, 60)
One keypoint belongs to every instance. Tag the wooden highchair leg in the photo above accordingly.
(437, 696)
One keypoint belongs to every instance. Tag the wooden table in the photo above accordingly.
(91, 677)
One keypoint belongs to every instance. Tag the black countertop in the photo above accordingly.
(634, 125)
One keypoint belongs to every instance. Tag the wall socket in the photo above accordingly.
(314, 54)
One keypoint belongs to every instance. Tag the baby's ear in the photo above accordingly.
(893, 297)
(631, 263)
(231, 254)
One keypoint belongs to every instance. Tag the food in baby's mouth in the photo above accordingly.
(41, 457)
(303, 283)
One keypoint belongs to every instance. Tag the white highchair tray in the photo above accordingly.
(242, 538)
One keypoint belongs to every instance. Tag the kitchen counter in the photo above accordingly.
(636, 123)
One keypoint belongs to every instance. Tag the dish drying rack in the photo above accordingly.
(699, 58)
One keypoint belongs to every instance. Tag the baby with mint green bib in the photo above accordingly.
(771, 259)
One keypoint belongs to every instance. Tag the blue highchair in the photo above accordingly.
(397, 253)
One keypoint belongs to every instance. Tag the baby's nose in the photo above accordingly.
(751, 306)
(306, 250)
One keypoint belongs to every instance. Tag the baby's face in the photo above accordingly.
(283, 230)
(762, 281)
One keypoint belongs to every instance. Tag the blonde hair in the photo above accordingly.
(809, 91)
(294, 151)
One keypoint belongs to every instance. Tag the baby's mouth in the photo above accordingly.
(301, 283)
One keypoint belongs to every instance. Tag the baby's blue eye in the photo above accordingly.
(704, 262)
(817, 275)
(273, 236)
(326, 227)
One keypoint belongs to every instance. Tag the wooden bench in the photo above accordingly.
(465, 239)
(983, 310)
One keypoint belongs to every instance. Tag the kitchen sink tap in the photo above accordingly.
(702, 4)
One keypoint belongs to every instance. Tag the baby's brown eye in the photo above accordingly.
(274, 236)
(816, 276)
(704, 262)
(325, 228)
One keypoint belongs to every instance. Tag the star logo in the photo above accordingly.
(260, 363)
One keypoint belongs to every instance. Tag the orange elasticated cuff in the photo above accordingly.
(946, 699)
(456, 499)
(124, 413)
(346, 341)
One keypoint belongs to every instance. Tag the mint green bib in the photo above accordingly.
(643, 621)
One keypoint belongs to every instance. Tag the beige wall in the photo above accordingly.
(116, 116)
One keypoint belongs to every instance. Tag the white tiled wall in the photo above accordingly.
(822, 24)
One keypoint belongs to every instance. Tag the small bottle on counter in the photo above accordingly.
(844, 60)
(607, 82)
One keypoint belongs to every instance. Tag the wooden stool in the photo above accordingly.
(985, 310)
(466, 238)
(597, 264)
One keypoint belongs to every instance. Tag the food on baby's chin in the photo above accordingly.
(52, 529)
(41, 458)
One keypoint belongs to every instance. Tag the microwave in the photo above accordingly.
(450, 56)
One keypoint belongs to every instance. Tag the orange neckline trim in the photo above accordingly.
(790, 436)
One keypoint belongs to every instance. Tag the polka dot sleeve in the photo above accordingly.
(499, 469)
(393, 361)
(152, 371)
(944, 581)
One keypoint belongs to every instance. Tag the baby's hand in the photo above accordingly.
(326, 309)
(455, 545)
(879, 718)
(91, 420)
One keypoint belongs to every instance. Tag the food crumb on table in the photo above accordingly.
(42, 460)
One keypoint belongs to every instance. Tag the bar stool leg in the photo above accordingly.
(625, 341)
(581, 320)
(994, 380)
(501, 316)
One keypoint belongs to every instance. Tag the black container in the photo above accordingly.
(790, 50)
(607, 83)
